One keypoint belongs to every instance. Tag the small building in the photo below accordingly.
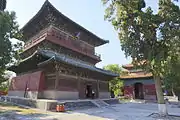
(58, 60)
(138, 84)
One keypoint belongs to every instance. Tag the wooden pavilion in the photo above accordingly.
(138, 84)
(58, 60)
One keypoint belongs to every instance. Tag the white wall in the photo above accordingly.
(32, 94)
(29, 94)
(104, 95)
(150, 97)
(50, 94)
(60, 95)
(16, 93)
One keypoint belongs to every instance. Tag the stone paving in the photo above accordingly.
(128, 111)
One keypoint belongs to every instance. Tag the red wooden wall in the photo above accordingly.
(33, 81)
(148, 90)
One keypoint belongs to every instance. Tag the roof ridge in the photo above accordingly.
(47, 3)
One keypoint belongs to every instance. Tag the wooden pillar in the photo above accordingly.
(57, 78)
(79, 86)
(97, 88)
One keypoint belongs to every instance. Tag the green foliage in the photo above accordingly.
(115, 68)
(4, 86)
(143, 34)
(8, 52)
(115, 84)
(172, 75)
(146, 36)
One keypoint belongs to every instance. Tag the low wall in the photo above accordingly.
(60, 95)
(171, 98)
(21, 101)
(49, 104)
(150, 97)
(103, 95)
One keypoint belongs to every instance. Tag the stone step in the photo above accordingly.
(100, 103)
(112, 101)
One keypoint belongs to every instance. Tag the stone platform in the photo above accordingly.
(50, 105)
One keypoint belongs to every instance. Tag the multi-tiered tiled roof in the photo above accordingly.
(132, 72)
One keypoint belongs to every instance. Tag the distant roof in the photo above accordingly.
(48, 5)
(128, 66)
(136, 75)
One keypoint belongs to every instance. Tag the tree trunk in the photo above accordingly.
(172, 90)
(162, 108)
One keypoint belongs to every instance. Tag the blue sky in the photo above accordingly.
(89, 14)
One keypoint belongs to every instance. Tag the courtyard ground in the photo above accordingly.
(126, 111)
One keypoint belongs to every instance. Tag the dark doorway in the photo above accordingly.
(88, 91)
(138, 90)
(112, 94)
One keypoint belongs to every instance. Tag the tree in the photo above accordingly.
(4, 86)
(9, 29)
(172, 76)
(2, 5)
(146, 36)
(115, 85)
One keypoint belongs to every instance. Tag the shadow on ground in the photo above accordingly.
(9, 111)
(19, 115)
